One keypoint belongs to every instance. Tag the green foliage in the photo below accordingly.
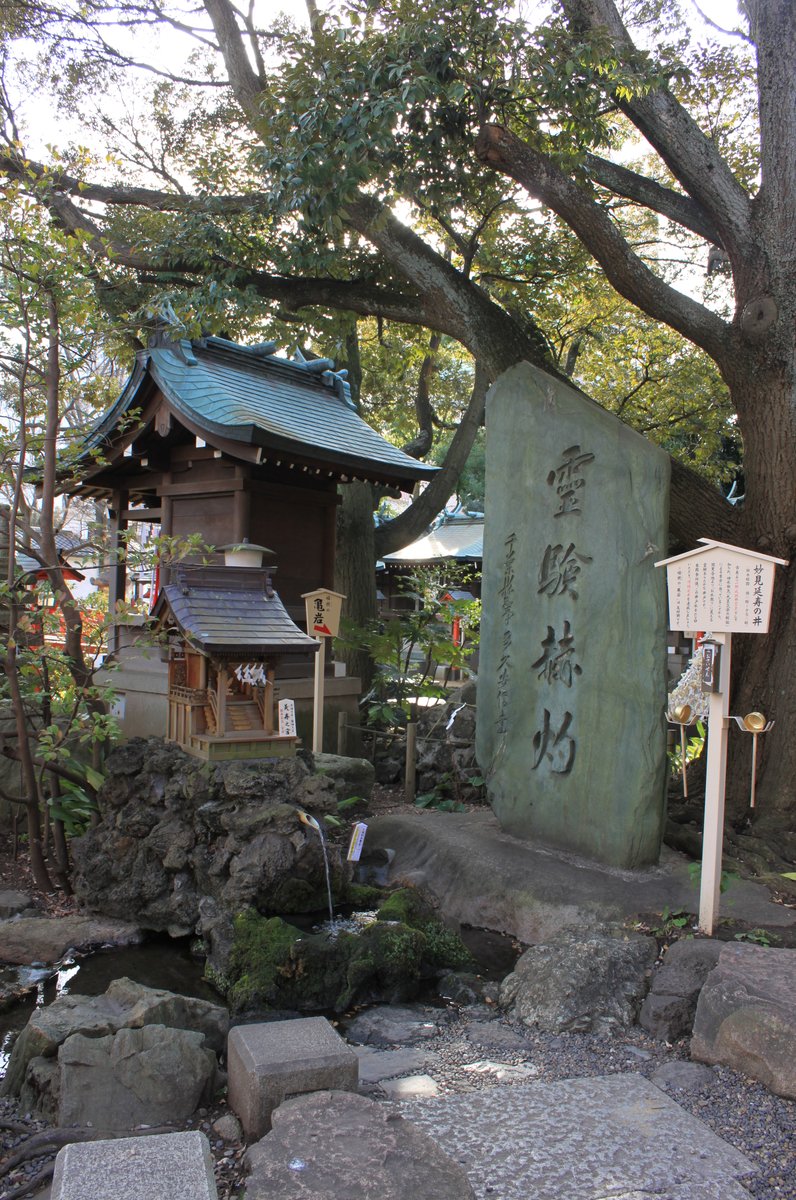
(694, 747)
(74, 807)
(408, 649)
(758, 937)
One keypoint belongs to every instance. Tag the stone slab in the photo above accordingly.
(26, 940)
(177, 1165)
(269, 1063)
(485, 877)
(12, 903)
(375, 1065)
(605, 1139)
(339, 1146)
(572, 657)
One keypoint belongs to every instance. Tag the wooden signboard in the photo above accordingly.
(323, 621)
(722, 590)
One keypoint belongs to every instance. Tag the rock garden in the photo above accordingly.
(231, 857)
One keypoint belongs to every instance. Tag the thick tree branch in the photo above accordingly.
(503, 150)
(416, 519)
(652, 195)
(691, 494)
(450, 303)
(692, 157)
(246, 84)
(773, 25)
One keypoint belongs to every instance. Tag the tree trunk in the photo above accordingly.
(354, 568)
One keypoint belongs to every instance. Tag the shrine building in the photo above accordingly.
(236, 445)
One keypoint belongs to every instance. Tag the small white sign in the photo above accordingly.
(118, 706)
(287, 718)
(357, 841)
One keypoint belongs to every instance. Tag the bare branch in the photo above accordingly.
(652, 195)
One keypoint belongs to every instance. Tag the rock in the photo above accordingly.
(668, 1009)
(350, 776)
(14, 903)
(746, 1016)
(156, 1006)
(49, 1026)
(462, 987)
(396, 1024)
(41, 1089)
(683, 1076)
(580, 984)
(495, 1035)
(149, 1076)
(229, 1128)
(182, 844)
(503, 1072)
(410, 1087)
(337, 1144)
(26, 940)
(125, 1004)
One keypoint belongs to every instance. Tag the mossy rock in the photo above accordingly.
(444, 948)
(275, 965)
(362, 896)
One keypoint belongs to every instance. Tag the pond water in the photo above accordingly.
(159, 962)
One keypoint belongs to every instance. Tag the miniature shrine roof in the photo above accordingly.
(250, 396)
(231, 610)
(459, 538)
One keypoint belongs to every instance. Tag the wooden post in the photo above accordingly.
(268, 701)
(716, 771)
(410, 773)
(317, 704)
(117, 583)
(342, 734)
(222, 700)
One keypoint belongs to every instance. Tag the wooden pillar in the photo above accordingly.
(118, 562)
(166, 523)
(268, 701)
(241, 508)
(329, 543)
(222, 699)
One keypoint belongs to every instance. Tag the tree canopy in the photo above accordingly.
(449, 167)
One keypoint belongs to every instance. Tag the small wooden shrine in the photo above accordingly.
(229, 442)
(227, 632)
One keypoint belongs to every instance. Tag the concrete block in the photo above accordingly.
(269, 1063)
(177, 1165)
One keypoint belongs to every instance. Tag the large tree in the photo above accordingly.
(385, 164)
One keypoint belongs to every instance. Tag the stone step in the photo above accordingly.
(145, 1168)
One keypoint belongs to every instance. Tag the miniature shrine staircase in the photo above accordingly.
(243, 715)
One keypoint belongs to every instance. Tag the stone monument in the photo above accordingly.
(572, 675)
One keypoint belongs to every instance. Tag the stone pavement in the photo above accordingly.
(610, 1138)
(489, 879)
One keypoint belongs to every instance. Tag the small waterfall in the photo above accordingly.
(306, 819)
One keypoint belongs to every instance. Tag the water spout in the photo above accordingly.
(312, 823)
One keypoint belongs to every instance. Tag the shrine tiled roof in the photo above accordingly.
(248, 394)
(231, 610)
(458, 538)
